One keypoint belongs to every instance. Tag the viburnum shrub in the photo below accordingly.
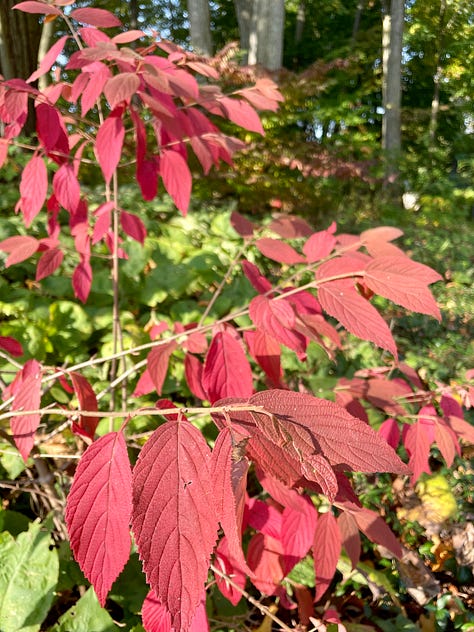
(185, 502)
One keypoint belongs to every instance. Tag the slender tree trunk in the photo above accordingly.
(392, 88)
(200, 27)
(20, 35)
(134, 11)
(261, 26)
(300, 21)
(438, 74)
(356, 24)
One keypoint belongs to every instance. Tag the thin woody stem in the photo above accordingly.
(263, 609)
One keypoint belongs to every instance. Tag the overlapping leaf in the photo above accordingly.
(174, 517)
(98, 511)
(326, 551)
(27, 397)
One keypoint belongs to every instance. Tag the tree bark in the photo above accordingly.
(300, 20)
(261, 27)
(20, 35)
(437, 74)
(200, 28)
(392, 88)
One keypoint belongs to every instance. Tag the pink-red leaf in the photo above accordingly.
(326, 552)
(418, 445)
(50, 261)
(27, 397)
(66, 187)
(52, 132)
(11, 346)
(341, 301)
(193, 371)
(98, 512)
(243, 226)
(30, 6)
(242, 114)
(82, 280)
(174, 517)
(121, 88)
(253, 274)
(176, 177)
(267, 352)
(297, 532)
(157, 363)
(227, 565)
(155, 617)
(350, 538)
(96, 17)
(133, 226)
(229, 474)
(265, 558)
(279, 251)
(347, 442)
(49, 59)
(390, 431)
(33, 188)
(88, 402)
(227, 372)
(404, 282)
(109, 144)
(319, 245)
(374, 527)
(20, 247)
(277, 318)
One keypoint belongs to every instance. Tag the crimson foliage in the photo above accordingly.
(111, 97)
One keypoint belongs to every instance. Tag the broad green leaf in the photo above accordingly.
(86, 614)
(28, 577)
(11, 460)
(303, 572)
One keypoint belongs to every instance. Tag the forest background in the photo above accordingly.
(376, 128)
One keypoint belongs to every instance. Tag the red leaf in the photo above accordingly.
(267, 352)
(109, 144)
(229, 473)
(87, 401)
(52, 132)
(128, 36)
(133, 226)
(155, 617)
(98, 512)
(120, 88)
(33, 188)
(347, 442)
(157, 363)
(93, 36)
(264, 518)
(20, 247)
(49, 59)
(259, 282)
(319, 245)
(317, 468)
(95, 85)
(144, 385)
(174, 517)
(326, 551)
(264, 556)
(49, 262)
(340, 300)
(446, 441)
(11, 346)
(241, 224)
(385, 394)
(96, 17)
(193, 372)
(374, 527)
(390, 431)
(176, 177)
(403, 281)
(277, 318)
(227, 371)
(462, 428)
(82, 280)
(225, 563)
(380, 233)
(350, 538)
(66, 187)
(279, 251)
(242, 114)
(418, 445)
(289, 227)
(297, 532)
(27, 397)
(30, 6)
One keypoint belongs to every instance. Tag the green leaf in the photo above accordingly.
(303, 572)
(13, 522)
(11, 460)
(86, 614)
(28, 577)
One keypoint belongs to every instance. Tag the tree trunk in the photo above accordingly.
(392, 88)
(200, 27)
(261, 26)
(438, 74)
(20, 35)
(356, 24)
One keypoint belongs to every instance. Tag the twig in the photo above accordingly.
(263, 609)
